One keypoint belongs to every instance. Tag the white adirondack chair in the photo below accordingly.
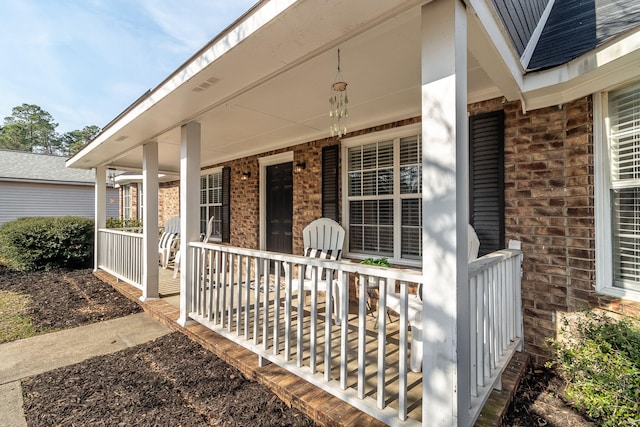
(414, 306)
(176, 262)
(169, 239)
(322, 238)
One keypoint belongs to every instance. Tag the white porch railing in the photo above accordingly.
(496, 324)
(120, 254)
(362, 361)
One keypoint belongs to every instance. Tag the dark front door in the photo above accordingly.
(280, 207)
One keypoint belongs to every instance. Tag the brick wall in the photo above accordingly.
(549, 206)
(168, 201)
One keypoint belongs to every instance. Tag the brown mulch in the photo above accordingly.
(540, 401)
(66, 299)
(170, 381)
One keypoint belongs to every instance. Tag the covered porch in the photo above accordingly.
(246, 296)
(250, 99)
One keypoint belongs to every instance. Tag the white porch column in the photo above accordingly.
(445, 192)
(189, 211)
(150, 221)
(100, 211)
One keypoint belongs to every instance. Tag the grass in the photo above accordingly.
(14, 323)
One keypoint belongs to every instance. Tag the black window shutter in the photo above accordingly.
(330, 182)
(486, 172)
(226, 204)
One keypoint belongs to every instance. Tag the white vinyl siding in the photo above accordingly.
(211, 203)
(39, 199)
(383, 206)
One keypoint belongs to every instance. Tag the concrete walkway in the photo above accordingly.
(43, 353)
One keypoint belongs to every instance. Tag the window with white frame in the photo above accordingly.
(211, 203)
(383, 208)
(126, 201)
(618, 173)
(140, 198)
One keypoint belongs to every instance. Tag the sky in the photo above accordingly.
(86, 61)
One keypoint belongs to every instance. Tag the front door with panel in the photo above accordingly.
(280, 207)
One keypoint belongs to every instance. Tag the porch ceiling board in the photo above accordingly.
(268, 87)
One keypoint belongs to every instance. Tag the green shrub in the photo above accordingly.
(380, 262)
(123, 223)
(45, 243)
(599, 357)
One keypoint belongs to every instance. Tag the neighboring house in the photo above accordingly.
(41, 185)
(521, 118)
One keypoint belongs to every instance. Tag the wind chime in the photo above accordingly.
(338, 101)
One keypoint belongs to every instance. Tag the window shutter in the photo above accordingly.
(486, 172)
(226, 204)
(330, 182)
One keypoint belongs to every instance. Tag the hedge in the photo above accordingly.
(45, 243)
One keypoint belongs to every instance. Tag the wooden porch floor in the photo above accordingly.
(319, 405)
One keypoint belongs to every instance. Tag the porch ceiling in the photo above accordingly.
(268, 84)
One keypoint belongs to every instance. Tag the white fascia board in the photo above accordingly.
(597, 70)
(245, 27)
(495, 53)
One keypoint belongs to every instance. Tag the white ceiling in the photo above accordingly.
(271, 89)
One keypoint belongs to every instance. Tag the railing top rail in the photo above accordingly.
(487, 261)
(121, 232)
(406, 275)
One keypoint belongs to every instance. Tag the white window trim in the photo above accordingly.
(205, 173)
(395, 133)
(126, 201)
(602, 204)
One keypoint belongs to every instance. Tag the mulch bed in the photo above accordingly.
(170, 381)
(66, 299)
(539, 401)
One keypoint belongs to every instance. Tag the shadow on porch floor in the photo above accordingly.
(319, 405)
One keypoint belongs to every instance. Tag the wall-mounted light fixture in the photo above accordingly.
(245, 176)
(299, 167)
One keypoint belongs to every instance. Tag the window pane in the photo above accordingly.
(385, 154)
(355, 212)
(369, 156)
(624, 112)
(355, 183)
(411, 228)
(216, 213)
(385, 181)
(627, 237)
(411, 166)
(355, 238)
(355, 159)
(369, 183)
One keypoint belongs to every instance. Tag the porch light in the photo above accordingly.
(245, 176)
(299, 167)
(338, 101)
(111, 176)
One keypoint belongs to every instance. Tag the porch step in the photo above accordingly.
(499, 400)
(323, 408)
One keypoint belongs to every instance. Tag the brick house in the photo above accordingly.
(531, 133)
